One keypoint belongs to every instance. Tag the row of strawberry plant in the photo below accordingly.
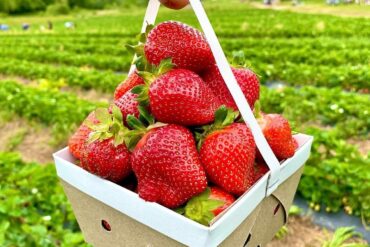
(262, 51)
(238, 21)
(355, 77)
(62, 111)
(330, 108)
(336, 176)
(98, 61)
(73, 76)
(33, 208)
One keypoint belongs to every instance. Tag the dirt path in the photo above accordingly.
(303, 233)
(32, 141)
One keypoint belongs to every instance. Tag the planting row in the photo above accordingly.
(354, 77)
(73, 76)
(235, 21)
(265, 51)
(26, 187)
(61, 110)
(349, 112)
(336, 176)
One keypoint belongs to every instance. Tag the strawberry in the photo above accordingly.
(278, 134)
(105, 153)
(175, 4)
(77, 141)
(177, 96)
(166, 163)
(131, 81)
(128, 104)
(247, 80)
(228, 153)
(206, 206)
(184, 44)
(260, 169)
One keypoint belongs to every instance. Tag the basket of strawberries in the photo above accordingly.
(183, 156)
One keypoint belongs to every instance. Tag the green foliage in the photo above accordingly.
(33, 208)
(83, 77)
(61, 110)
(58, 9)
(336, 175)
(341, 235)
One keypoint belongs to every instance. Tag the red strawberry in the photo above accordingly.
(131, 81)
(247, 80)
(206, 206)
(260, 169)
(77, 141)
(105, 153)
(278, 134)
(175, 4)
(184, 44)
(166, 164)
(228, 153)
(128, 105)
(179, 96)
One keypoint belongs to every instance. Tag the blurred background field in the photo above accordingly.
(60, 59)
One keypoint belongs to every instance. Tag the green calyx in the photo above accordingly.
(149, 76)
(200, 208)
(223, 117)
(238, 60)
(140, 60)
(110, 126)
(139, 127)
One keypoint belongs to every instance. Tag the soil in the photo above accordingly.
(90, 95)
(362, 145)
(34, 140)
(303, 233)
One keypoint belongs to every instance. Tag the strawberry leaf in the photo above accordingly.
(200, 208)
(137, 89)
(135, 123)
(102, 115)
(145, 115)
(117, 114)
(94, 136)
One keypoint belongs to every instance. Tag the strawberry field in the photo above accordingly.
(314, 69)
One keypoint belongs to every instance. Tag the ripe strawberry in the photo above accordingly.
(77, 140)
(128, 104)
(175, 4)
(166, 164)
(177, 96)
(247, 80)
(278, 134)
(260, 169)
(206, 206)
(184, 44)
(228, 153)
(105, 153)
(131, 81)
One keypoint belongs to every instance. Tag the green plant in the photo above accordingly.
(341, 235)
(58, 9)
(33, 208)
(283, 231)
